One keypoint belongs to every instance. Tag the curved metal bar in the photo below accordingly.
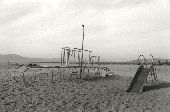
(66, 48)
(144, 60)
(106, 69)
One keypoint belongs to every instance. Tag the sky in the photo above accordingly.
(117, 30)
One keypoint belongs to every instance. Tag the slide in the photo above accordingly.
(138, 80)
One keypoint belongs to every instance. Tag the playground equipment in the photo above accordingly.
(65, 56)
(92, 60)
(71, 58)
(77, 60)
(141, 75)
(153, 69)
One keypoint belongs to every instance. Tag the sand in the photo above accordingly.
(67, 94)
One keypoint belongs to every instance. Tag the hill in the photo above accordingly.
(18, 58)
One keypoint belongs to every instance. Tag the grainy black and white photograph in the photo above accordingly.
(84, 56)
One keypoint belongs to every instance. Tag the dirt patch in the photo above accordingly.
(78, 95)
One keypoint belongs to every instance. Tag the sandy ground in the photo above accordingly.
(39, 94)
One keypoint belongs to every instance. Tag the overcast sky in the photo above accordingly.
(117, 30)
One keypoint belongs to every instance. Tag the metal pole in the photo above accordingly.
(61, 59)
(82, 54)
(79, 58)
(74, 57)
(66, 57)
(99, 61)
(63, 56)
(89, 58)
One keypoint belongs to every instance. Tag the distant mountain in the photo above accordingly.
(147, 60)
(11, 56)
(18, 58)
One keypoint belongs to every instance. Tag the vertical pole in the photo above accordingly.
(81, 70)
(66, 57)
(89, 58)
(61, 59)
(74, 57)
(63, 55)
(99, 61)
(79, 58)
(68, 54)
(99, 64)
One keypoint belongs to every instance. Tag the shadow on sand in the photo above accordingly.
(94, 78)
(156, 86)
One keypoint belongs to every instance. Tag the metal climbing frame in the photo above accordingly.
(153, 69)
(152, 66)
(77, 59)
